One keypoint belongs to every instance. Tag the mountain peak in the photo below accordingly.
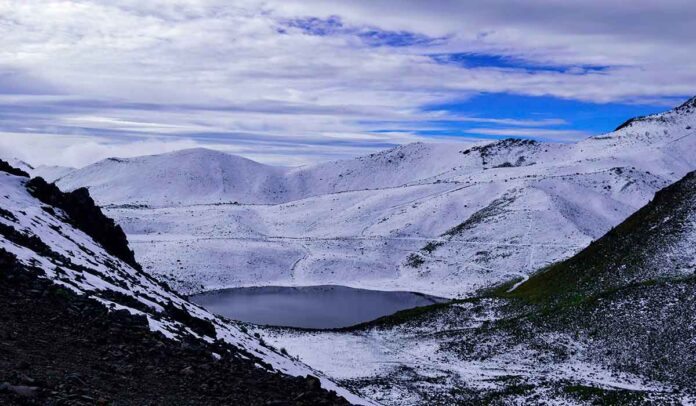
(687, 107)
(187, 176)
(193, 152)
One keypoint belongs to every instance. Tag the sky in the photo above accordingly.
(294, 82)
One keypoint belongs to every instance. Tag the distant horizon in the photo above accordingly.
(297, 82)
(450, 140)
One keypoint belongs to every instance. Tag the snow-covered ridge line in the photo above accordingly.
(41, 237)
(684, 108)
(199, 175)
(381, 221)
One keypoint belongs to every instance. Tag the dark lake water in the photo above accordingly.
(309, 306)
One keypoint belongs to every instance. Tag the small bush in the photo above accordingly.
(431, 246)
(415, 261)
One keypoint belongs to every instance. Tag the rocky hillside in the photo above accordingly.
(82, 213)
(632, 292)
(58, 347)
(94, 311)
(611, 325)
(655, 243)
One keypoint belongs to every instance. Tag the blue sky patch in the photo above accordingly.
(577, 116)
(476, 60)
(369, 35)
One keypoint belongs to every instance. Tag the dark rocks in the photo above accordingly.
(32, 242)
(200, 326)
(20, 390)
(6, 167)
(187, 371)
(74, 379)
(69, 349)
(85, 215)
(313, 383)
(628, 122)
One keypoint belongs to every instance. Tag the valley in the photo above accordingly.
(60, 255)
(369, 203)
(569, 266)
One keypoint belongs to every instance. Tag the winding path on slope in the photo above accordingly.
(530, 259)
(149, 238)
(525, 278)
(297, 262)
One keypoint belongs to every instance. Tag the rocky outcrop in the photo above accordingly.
(85, 215)
(82, 213)
(6, 167)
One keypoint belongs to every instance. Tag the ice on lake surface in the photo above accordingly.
(309, 306)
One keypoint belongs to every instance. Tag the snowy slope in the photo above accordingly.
(442, 219)
(50, 173)
(183, 177)
(611, 325)
(44, 237)
(404, 165)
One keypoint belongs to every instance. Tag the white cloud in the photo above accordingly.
(238, 70)
(80, 150)
(77, 151)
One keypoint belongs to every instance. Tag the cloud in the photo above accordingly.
(77, 151)
(80, 150)
(264, 77)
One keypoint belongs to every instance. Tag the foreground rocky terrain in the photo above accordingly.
(81, 323)
(57, 347)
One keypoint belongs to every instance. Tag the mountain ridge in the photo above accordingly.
(654, 227)
(366, 222)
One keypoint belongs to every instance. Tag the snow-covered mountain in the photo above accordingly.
(185, 177)
(203, 176)
(65, 238)
(50, 173)
(444, 219)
